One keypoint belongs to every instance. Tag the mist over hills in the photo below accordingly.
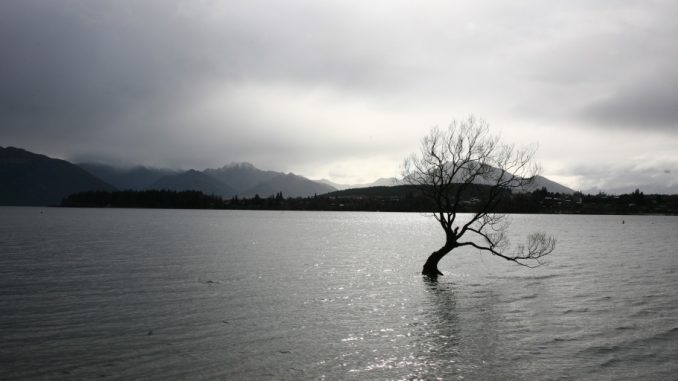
(134, 178)
(539, 182)
(242, 176)
(245, 180)
(193, 180)
(241, 179)
(32, 179)
(380, 182)
(248, 181)
(291, 185)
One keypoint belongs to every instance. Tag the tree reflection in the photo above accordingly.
(461, 334)
(438, 332)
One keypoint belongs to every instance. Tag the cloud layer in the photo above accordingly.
(338, 89)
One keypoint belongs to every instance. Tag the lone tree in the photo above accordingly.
(464, 161)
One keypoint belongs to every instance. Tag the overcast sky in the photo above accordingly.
(343, 89)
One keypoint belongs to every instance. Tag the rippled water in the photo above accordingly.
(165, 294)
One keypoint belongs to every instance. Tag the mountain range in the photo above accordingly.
(135, 178)
(27, 178)
(237, 179)
(193, 180)
(247, 181)
(538, 183)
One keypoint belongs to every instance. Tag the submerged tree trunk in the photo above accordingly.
(466, 164)
(431, 266)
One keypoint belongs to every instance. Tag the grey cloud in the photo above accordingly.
(626, 177)
(127, 77)
(116, 76)
(609, 65)
(646, 105)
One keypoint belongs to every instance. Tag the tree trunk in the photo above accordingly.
(431, 266)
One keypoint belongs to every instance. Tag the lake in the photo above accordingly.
(129, 294)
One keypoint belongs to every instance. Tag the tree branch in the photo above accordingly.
(465, 160)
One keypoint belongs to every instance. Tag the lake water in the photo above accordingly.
(180, 294)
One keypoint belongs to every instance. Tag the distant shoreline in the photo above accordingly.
(383, 199)
(668, 214)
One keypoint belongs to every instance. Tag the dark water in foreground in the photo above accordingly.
(161, 294)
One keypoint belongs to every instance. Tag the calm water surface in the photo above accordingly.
(165, 294)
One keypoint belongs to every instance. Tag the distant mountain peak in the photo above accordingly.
(193, 180)
(289, 184)
(239, 165)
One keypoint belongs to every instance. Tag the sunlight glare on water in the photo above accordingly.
(177, 294)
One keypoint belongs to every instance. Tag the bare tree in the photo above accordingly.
(464, 160)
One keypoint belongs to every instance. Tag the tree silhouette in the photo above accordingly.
(465, 159)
